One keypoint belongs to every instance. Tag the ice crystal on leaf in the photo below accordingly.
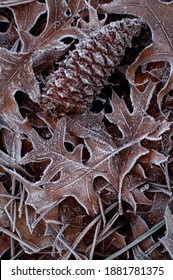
(16, 74)
(85, 185)
(162, 34)
(112, 160)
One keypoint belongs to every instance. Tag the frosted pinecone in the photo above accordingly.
(85, 70)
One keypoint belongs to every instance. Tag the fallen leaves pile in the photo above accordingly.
(91, 185)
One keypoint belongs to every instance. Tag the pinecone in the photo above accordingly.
(85, 70)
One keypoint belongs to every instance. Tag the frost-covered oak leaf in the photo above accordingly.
(66, 174)
(75, 179)
(16, 74)
(8, 3)
(137, 125)
(158, 15)
(134, 127)
(167, 240)
(27, 15)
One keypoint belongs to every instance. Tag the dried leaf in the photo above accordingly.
(120, 166)
(132, 193)
(139, 254)
(90, 125)
(156, 214)
(47, 47)
(134, 127)
(4, 199)
(112, 162)
(8, 33)
(161, 27)
(61, 161)
(137, 125)
(38, 237)
(153, 157)
(118, 240)
(27, 15)
(139, 227)
(167, 240)
(7, 3)
(63, 181)
(16, 74)
(4, 244)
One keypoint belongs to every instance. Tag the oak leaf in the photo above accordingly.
(167, 240)
(16, 74)
(4, 199)
(4, 244)
(157, 212)
(134, 127)
(27, 15)
(8, 32)
(139, 227)
(8, 3)
(113, 160)
(47, 46)
(158, 15)
(37, 237)
(74, 178)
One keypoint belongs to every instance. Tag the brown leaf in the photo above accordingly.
(137, 125)
(112, 243)
(47, 47)
(4, 199)
(8, 3)
(166, 144)
(64, 162)
(88, 124)
(4, 244)
(27, 15)
(118, 240)
(8, 33)
(139, 254)
(167, 240)
(154, 71)
(156, 214)
(16, 74)
(73, 230)
(139, 227)
(38, 237)
(70, 217)
(153, 157)
(134, 127)
(120, 166)
(112, 160)
(159, 17)
(131, 192)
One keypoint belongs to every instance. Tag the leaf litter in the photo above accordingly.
(91, 185)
